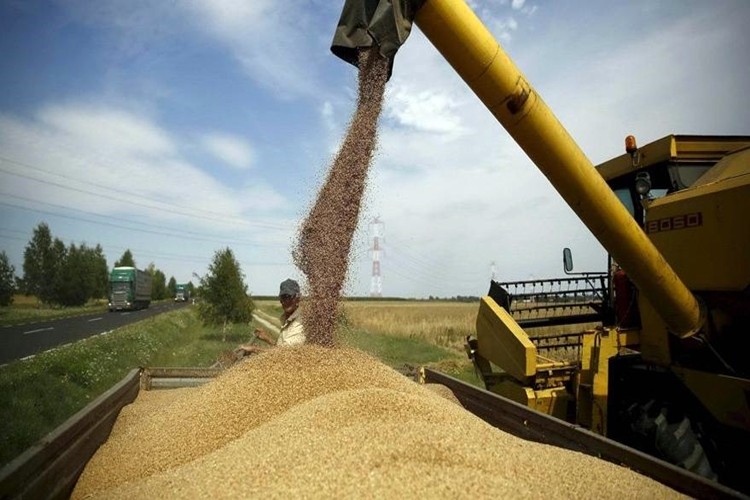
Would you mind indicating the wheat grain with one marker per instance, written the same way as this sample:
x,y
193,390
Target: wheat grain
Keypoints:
x,y
317,422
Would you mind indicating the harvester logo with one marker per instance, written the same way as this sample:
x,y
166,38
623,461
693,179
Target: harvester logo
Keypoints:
x,y
673,223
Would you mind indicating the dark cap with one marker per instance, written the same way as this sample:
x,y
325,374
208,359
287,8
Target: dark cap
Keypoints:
x,y
289,287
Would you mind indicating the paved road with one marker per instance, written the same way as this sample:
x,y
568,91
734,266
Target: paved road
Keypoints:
x,y
32,338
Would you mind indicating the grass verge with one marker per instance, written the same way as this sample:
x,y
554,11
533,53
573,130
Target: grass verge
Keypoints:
x,y
25,309
38,394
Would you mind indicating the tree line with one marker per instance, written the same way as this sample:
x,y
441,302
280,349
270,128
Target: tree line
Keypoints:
x,y
69,275
72,275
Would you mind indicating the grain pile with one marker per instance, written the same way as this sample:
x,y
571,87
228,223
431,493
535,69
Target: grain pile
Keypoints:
x,y
315,422
325,237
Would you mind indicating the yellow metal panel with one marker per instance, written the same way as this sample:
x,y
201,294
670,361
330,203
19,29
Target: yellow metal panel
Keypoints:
x,y
654,335
598,346
470,48
711,221
553,401
688,148
725,397
503,342
467,44
515,392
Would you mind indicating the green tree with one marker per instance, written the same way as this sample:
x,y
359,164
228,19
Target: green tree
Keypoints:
x,y
99,272
192,289
159,286
37,262
74,286
172,287
56,270
224,296
43,259
7,280
82,276
126,260
158,282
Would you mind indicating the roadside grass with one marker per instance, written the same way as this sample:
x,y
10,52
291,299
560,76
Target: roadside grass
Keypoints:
x,y
270,307
40,393
26,309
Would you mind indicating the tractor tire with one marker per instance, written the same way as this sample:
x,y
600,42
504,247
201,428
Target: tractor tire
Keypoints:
x,y
670,435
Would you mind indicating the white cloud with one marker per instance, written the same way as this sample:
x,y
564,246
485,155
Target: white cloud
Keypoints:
x,y
232,150
425,110
280,52
502,27
327,109
115,162
276,53
118,132
328,116
518,4
234,15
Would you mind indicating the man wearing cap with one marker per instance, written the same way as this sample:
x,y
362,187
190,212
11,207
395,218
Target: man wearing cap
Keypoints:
x,y
292,332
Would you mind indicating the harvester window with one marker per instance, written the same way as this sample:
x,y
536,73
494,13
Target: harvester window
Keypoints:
x,y
626,198
685,175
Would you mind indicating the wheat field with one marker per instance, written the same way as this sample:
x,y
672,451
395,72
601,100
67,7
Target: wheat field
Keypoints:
x,y
445,324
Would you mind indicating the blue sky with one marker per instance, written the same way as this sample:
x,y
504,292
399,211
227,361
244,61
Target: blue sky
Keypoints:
x,y
177,128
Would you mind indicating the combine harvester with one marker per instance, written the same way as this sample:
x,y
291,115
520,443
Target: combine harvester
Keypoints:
x,y
673,365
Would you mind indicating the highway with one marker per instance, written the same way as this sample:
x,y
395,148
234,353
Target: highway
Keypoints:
x,y
20,341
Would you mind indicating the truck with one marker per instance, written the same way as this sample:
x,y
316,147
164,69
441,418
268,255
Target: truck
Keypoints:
x,y
129,289
659,362
182,293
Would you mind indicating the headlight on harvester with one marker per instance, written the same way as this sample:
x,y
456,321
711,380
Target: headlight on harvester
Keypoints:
x,y
642,183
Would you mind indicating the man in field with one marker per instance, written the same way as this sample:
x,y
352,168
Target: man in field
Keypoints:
x,y
292,332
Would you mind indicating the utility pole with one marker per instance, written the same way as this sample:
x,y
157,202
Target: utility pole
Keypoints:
x,y
377,227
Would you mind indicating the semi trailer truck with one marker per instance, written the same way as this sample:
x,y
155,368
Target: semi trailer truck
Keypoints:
x,y
129,289
182,293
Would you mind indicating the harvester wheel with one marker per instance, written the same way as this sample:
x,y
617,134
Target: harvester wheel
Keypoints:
x,y
671,436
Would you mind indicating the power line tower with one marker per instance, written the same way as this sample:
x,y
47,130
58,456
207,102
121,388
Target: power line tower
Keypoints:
x,y
377,228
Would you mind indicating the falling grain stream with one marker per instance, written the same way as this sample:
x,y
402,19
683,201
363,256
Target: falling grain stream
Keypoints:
x,y
325,236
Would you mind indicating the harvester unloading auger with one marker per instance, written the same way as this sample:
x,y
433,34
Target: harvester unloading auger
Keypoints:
x,y
660,383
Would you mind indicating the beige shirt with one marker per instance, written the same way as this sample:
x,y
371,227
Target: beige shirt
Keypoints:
x,y
292,332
